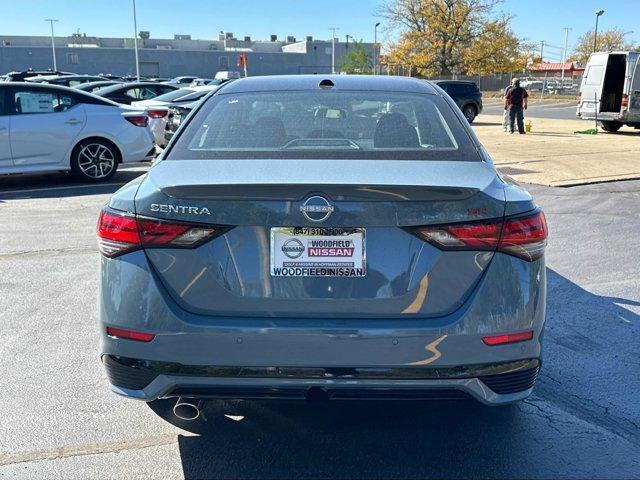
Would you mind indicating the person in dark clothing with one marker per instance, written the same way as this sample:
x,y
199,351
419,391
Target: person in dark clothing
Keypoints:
x,y
516,102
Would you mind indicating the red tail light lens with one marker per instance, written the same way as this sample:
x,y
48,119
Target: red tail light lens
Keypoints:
x,y
155,233
117,233
470,236
138,120
508,338
120,232
157,113
130,334
625,100
524,237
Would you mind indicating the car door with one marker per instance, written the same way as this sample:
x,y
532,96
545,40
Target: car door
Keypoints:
x,y
44,125
5,125
456,91
592,82
634,81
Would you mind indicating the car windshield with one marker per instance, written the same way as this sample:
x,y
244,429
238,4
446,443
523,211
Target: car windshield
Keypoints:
x,y
173,95
349,124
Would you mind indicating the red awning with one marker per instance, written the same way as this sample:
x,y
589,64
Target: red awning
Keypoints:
x,y
555,67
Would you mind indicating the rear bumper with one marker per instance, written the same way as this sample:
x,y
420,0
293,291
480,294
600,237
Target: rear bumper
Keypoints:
x,y
420,354
492,384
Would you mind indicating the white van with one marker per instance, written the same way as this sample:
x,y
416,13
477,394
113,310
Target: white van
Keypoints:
x,y
610,90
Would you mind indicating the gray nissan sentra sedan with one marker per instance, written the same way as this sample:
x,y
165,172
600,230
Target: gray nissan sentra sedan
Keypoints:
x,y
322,237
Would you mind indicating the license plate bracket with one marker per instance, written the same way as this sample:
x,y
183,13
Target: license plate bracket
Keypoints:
x,y
317,252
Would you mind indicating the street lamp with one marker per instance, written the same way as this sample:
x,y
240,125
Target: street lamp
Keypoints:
x,y
53,43
135,40
595,36
333,48
375,47
349,37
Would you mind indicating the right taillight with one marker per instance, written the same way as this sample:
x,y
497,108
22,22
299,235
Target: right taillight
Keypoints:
x,y
523,236
121,232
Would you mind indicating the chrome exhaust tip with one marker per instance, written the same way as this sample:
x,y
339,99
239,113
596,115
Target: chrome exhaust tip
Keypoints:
x,y
187,409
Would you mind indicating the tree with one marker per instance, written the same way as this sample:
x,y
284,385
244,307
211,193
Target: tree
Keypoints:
x,y
443,37
357,60
613,39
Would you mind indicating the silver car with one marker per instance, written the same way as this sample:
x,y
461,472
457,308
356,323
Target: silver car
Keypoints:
x,y
338,237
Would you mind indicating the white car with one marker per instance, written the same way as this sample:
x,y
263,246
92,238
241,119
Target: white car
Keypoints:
x,y
51,128
158,108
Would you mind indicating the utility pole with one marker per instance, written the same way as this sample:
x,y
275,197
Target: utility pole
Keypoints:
x,y
542,51
333,48
564,52
53,43
135,40
375,47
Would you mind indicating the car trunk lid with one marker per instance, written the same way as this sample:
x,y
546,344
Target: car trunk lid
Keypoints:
x,y
376,201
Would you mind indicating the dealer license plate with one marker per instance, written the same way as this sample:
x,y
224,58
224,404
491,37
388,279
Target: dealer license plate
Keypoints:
x,y
317,252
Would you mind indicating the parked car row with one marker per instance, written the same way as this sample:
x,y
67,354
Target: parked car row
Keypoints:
x,y
159,108
568,86
62,123
46,127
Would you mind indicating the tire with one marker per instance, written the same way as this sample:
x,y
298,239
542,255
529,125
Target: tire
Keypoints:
x,y
95,160
608,126
470,112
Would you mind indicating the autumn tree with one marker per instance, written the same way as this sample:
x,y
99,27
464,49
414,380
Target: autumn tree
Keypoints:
x,y
443,37
357,60
613,39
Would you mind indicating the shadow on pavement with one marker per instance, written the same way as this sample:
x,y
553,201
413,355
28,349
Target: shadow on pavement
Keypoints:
x,y
484,124
561,431
61,184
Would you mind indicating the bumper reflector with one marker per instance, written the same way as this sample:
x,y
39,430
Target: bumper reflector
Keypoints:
x,y
508,338
130,334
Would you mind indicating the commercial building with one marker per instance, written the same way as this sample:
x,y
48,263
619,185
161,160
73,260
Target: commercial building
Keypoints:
x,y
181,55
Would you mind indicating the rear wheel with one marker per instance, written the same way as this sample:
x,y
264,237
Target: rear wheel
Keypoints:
x,y
608,126
470,112
94,160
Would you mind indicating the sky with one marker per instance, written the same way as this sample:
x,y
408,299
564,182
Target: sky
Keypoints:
x,y
533,20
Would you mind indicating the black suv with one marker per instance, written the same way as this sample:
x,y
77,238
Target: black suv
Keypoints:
x,y
466,94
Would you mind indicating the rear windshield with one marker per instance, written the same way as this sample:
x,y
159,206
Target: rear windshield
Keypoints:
x,y
325,124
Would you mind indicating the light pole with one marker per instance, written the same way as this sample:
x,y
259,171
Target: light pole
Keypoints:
x,y
564,51
375,47
595,34
53,43
135,40
333,48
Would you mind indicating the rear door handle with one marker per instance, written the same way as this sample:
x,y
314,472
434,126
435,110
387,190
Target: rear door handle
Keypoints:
x,y
73,121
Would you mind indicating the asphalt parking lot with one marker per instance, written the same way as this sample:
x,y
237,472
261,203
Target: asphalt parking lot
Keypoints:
x,y
550,108
60,420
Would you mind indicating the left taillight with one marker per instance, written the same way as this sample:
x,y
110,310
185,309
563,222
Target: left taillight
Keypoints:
x,y
121,232
157,113
523,236
117,233
138,120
